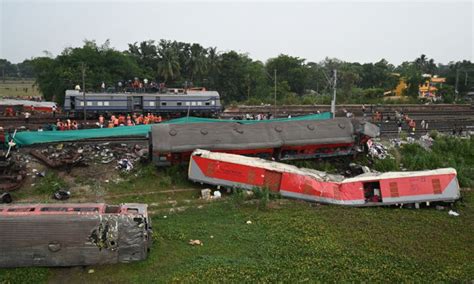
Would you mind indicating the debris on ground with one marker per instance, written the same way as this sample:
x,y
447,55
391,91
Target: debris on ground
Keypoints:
x,y
249,222
216,195
5,198
377,150
453,213
12,173
62,194
426,142
69,155
125,165
195,243
62,159
206,194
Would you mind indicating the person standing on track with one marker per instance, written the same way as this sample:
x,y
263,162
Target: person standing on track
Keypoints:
x,y
27,117
54,109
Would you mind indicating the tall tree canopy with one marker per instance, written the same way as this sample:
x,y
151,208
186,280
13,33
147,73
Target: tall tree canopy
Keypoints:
x,y
236,76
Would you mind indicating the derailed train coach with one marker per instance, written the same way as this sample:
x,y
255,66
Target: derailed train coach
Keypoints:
x,y
285,140
368,189
73,234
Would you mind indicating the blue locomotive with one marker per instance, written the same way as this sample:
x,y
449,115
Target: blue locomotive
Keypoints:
x,y
172,102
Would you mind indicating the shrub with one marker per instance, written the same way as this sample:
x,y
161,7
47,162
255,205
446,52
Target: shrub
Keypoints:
x,y
50,184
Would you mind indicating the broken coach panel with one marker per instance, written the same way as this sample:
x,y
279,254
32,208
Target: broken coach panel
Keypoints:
x,y
369,189
73,234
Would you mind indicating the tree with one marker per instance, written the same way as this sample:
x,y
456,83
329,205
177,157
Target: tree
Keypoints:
x,y
412,74
290,69
104,64
168,65
197,62
426,66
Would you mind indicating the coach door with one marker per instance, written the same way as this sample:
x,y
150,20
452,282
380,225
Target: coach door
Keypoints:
x,y
272,180
137,103
72,101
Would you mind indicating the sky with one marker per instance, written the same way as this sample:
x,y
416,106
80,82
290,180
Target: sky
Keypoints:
x,y
350,30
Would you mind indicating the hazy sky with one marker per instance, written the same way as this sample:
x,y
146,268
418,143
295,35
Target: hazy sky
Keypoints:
x,y
349,30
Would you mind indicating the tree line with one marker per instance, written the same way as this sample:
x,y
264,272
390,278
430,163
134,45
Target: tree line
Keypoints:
x,y
236,76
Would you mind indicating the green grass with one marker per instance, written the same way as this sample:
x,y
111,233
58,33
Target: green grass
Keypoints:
x,y
295,242
18,88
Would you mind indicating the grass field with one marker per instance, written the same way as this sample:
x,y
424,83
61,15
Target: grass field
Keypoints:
x,y
293,242
287,241
20,88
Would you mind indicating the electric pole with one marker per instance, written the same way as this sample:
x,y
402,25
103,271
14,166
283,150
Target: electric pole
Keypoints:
x,y
275,94
83,67
333,102
456,85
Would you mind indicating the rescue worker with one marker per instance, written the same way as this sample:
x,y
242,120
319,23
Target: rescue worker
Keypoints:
x,y
53,110
116,122
412,125
129,121
27,117
101,121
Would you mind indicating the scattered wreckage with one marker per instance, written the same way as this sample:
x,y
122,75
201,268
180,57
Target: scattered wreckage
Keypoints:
x,y
284,140
67,156
12,173
73,234
368,189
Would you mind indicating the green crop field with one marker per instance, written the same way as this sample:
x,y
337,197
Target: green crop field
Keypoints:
x,y
18,88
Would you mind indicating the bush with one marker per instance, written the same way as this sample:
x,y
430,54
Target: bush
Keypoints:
x,y
50,184
434,134
386,165
445,152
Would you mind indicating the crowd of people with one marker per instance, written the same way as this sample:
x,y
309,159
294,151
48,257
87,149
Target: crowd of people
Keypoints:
x,y
128,120
404,119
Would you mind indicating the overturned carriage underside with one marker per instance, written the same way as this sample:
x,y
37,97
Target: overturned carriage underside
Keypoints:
x,y
71,240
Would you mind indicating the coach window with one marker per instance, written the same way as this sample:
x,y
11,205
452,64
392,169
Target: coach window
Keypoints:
x,y
199,103
81,104
188,103
100,103
179,103
152,104
193,103
163,104
89,103
208,103
372,191
106,103
213,102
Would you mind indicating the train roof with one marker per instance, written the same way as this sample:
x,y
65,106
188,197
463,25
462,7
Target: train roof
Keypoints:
x,y
191,93
71,208
14,102
322,176
224,136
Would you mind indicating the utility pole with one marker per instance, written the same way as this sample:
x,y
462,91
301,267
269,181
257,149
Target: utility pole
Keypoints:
x,y
333,102
456,85
275,94
83,67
